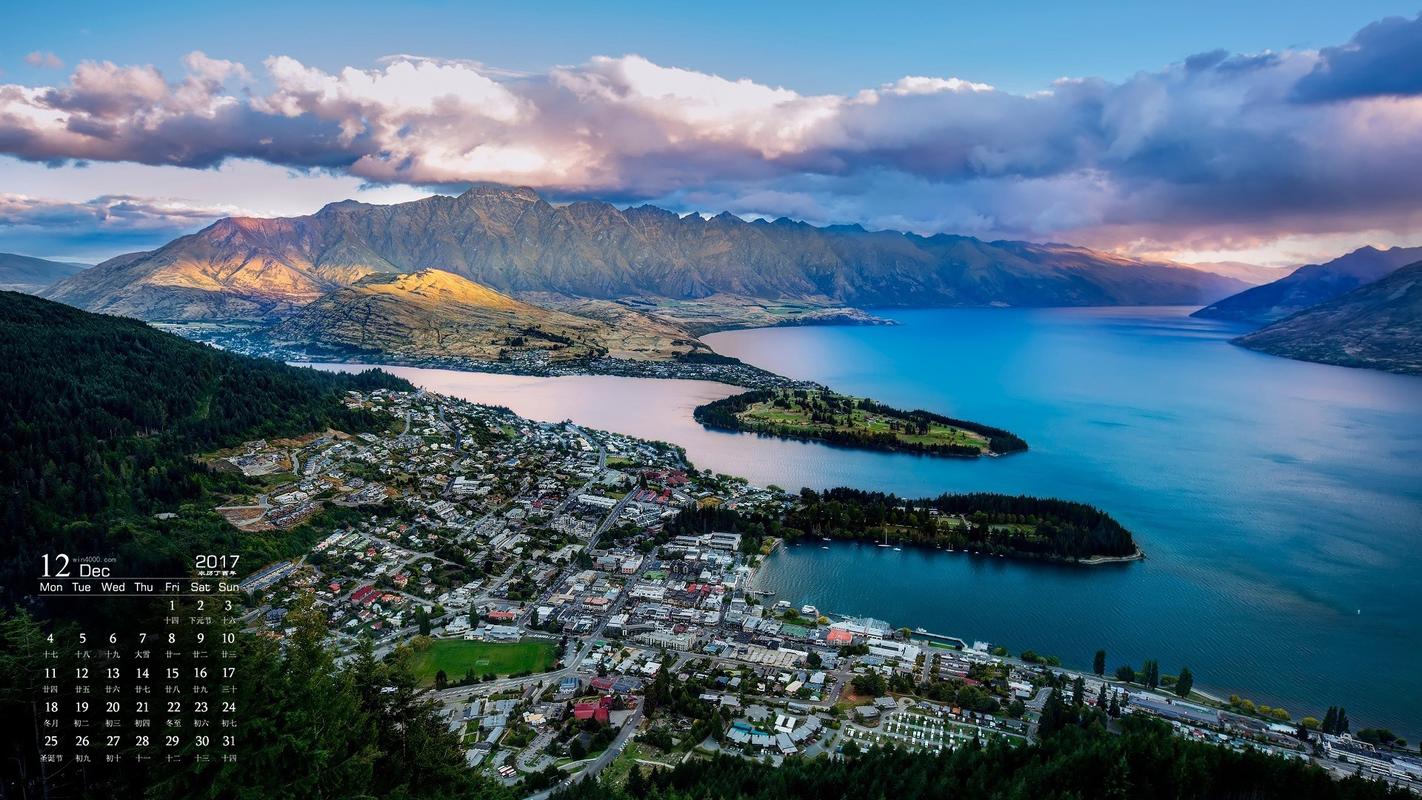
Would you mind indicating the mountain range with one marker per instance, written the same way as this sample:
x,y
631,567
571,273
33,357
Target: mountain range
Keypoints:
x,y
497,274
31,275
514,242
1377,325
1308,286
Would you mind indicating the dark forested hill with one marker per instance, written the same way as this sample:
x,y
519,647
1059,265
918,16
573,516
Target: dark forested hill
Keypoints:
x,y
982,522
1378,326
1146,762
513,241
99,417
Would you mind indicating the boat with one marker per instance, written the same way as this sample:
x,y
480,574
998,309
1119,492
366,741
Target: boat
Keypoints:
x,y
824,538
824,547
886,539
898,548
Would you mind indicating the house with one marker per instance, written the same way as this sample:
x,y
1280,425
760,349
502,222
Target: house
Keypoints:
x,y
598,711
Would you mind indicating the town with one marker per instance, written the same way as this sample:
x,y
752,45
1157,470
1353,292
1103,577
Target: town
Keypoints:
x,y
582,603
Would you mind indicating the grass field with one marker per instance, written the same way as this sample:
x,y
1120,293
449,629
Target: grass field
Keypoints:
x,y
458,656
798,417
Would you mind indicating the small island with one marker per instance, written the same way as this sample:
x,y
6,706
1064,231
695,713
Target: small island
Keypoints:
x,y
986,523
826,416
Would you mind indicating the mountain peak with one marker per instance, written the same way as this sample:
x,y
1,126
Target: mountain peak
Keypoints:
x,y
499,190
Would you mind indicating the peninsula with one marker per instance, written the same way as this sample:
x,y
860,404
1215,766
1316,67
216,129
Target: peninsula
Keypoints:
x,y
980,522
826,416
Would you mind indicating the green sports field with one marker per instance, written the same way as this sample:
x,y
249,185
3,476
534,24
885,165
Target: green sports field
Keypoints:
x,y
458,656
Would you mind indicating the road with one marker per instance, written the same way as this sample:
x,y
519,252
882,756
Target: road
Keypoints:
x,y
592,768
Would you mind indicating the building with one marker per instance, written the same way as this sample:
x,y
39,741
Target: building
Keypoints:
x,y
890,649
596,501
683,642
600,711
1175,710
720,540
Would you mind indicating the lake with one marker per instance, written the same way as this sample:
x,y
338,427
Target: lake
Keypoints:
x,y
1279,502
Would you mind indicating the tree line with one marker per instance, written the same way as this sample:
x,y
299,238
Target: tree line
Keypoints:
x,y
1021,525
1146,761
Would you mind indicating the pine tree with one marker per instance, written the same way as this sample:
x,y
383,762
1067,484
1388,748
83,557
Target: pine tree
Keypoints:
x,y
1054,715
636,785
1184,682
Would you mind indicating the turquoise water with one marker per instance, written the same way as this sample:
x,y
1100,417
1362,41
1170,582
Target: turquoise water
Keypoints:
x,y
1280,503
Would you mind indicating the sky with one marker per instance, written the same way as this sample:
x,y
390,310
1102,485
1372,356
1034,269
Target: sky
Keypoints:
x,y
1269,132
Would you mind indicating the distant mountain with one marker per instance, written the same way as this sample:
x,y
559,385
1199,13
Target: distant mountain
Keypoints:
x,y
28,274
437,314
1252,274
1308,286
1377,326
512,241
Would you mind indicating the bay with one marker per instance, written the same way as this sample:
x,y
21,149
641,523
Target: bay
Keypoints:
x,y
1279,502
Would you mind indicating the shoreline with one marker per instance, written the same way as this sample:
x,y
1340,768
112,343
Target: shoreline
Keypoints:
x,y
1094,561
1091,561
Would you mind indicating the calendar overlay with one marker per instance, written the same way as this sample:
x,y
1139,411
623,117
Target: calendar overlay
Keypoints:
x,y
160,690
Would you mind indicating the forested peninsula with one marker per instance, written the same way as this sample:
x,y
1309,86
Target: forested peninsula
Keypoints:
x,y
980,522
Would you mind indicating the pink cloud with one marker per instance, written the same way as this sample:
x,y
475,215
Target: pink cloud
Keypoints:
x,y
1216,148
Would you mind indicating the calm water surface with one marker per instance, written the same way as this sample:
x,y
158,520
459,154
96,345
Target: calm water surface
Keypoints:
x,y
1280,503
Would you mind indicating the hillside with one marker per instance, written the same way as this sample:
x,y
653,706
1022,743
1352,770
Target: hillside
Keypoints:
x,y
513,241
436,314
1308,286
1144,762
1377,326
28,274
100,417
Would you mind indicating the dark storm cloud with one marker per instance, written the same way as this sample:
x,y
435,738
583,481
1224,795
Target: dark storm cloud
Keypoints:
x,y
1385,58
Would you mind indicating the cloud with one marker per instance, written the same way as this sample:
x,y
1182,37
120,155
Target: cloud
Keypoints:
x,y
1215,150
98,227
46,60
1382,59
